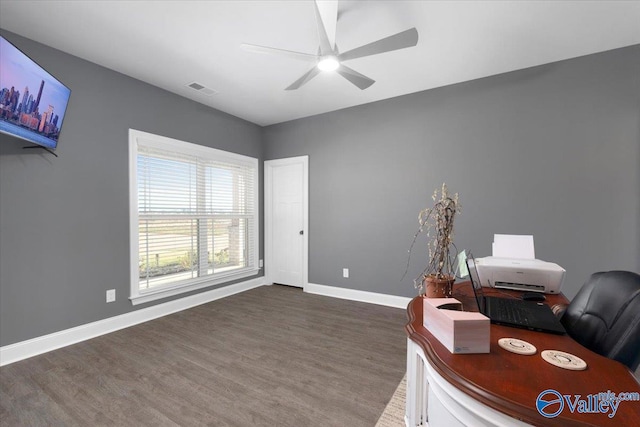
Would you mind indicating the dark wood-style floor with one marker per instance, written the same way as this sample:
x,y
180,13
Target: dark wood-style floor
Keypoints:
x,y
272,356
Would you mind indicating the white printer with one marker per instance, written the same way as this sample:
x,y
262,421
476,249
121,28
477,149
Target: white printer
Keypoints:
x,y
532,275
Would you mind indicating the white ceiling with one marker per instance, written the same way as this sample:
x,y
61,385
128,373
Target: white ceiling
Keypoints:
x,y
170,44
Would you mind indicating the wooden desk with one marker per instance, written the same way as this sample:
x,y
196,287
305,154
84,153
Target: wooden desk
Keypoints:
x,y
501,388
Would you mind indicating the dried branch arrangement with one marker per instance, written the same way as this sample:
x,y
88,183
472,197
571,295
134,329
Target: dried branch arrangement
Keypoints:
x,y
437,223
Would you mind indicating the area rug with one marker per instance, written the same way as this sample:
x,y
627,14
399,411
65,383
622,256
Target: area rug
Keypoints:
x,y
393,415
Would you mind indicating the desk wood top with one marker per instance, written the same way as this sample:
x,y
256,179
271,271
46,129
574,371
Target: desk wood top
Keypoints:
x,y
511,383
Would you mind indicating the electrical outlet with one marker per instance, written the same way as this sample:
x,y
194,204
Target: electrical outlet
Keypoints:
x,y
345,273
111,295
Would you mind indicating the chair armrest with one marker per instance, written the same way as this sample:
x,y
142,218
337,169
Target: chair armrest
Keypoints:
x,y
559,309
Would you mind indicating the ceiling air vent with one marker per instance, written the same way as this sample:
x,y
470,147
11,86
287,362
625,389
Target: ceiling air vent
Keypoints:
x,y
201,89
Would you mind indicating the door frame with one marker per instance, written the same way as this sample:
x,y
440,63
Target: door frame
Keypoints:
x,y
269,165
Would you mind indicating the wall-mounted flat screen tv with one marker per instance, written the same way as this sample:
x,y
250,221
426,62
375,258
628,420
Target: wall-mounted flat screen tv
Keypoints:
x,y
32,101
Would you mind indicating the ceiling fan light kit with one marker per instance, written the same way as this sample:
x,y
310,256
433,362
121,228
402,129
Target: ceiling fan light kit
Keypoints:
x,y
328,58
328,63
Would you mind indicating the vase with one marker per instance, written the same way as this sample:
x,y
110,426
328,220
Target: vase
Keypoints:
x,y
438,288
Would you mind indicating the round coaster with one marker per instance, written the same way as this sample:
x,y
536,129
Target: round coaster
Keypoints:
x,y
517,346
564,360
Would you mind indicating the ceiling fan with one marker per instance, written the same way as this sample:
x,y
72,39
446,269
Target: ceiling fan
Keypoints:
x,y
328,58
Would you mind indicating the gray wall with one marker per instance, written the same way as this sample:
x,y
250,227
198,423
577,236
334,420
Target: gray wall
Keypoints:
x,y
64,222
552,151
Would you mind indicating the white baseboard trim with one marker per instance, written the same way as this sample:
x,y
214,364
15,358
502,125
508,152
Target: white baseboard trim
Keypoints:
x,y
25,349
355,295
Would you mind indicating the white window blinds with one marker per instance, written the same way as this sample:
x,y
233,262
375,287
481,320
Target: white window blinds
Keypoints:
x,y
197,216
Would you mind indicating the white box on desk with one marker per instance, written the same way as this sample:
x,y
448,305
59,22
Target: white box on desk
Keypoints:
x,y
461,332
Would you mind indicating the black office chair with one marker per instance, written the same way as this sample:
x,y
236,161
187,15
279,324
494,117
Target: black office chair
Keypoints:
x,y
605,316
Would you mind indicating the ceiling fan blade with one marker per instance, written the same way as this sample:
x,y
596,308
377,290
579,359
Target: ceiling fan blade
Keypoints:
x,y
304,79
401,40
282,52
327,14
355,77
326,46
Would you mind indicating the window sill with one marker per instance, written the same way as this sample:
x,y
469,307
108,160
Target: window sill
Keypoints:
x,y
168,291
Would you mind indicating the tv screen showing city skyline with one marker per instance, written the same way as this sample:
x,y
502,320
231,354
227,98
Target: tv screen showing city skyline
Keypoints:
x,y
32,102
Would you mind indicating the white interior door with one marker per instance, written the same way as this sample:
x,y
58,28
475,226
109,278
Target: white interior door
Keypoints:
x,y
286,220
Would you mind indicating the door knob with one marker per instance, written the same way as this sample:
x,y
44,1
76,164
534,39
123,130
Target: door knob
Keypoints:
x,y
301,232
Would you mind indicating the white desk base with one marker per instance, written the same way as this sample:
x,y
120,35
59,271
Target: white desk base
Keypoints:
x,y
433,402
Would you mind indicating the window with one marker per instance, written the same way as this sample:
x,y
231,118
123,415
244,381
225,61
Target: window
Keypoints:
x,y
194,216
